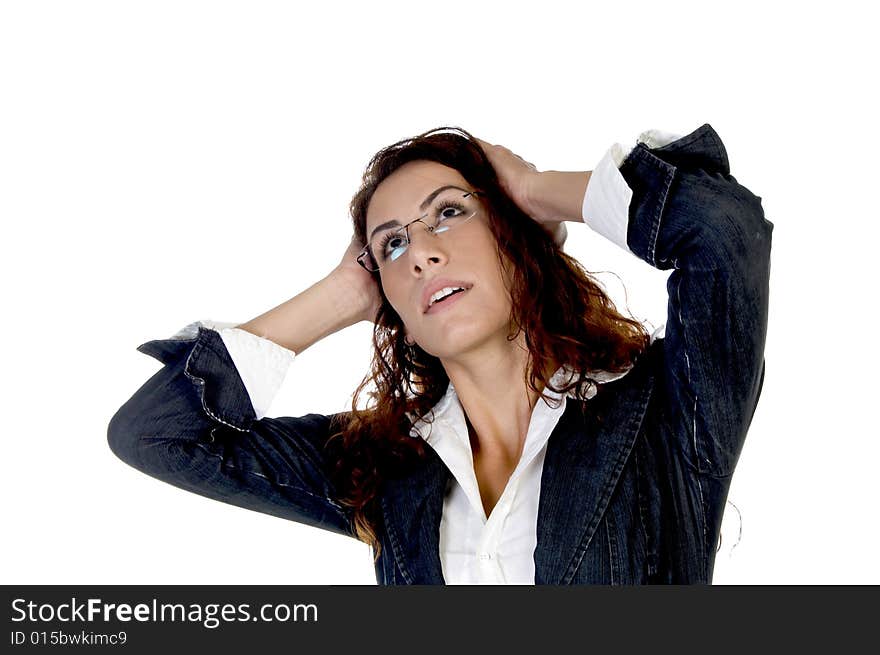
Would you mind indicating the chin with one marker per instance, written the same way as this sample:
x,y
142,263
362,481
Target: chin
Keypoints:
x,y
457,342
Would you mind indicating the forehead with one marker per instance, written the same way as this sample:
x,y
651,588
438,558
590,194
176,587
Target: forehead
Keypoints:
x,y
400,194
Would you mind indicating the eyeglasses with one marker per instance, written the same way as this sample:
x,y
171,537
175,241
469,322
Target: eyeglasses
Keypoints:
x,y
448,210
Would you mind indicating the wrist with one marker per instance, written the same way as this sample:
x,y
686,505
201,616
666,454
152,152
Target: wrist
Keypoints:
x,y
556,196
344,290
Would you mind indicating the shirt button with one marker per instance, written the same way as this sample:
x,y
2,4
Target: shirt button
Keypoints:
x,y
485,556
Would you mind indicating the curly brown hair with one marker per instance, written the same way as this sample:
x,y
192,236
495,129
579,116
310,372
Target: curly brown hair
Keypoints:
x,y
563,312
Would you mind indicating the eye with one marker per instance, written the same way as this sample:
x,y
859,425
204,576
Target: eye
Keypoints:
x,y
448,209
391,242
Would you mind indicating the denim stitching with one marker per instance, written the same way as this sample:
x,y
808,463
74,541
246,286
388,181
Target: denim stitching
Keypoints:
x,y
200,382
611,559
655,220
395,545
696,398
582,547
223,459
280,484
602,507
642,516
670,170
661,206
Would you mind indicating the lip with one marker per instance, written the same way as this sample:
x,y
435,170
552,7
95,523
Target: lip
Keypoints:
x,y
446,304
435,285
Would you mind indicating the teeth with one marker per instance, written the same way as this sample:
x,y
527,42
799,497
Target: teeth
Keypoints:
x,y
442,294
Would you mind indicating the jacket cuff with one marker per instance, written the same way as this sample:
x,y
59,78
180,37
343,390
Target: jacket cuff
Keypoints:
x,y
179,343
655,178
606,204
209,366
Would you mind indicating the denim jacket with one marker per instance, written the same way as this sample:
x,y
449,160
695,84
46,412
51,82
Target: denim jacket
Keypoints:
x,y
649,458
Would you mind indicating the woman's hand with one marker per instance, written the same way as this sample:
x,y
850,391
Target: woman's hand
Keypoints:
x,y
514,173
365,291
519,179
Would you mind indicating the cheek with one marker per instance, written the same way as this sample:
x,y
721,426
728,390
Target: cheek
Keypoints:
x,y
396,299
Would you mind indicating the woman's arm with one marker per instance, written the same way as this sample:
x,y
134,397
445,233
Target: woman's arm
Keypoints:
x,y
195,425
324,308
676,206
689,214
557,196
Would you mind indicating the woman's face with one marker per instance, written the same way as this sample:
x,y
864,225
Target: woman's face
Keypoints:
x,y
466,253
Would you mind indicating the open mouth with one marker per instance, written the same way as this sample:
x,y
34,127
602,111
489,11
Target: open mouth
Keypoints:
x,y
446,302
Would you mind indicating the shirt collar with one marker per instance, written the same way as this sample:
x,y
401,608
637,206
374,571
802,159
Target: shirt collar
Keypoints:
x,y
449,405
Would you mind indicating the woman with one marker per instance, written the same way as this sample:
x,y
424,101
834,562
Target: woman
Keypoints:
x,y
521,429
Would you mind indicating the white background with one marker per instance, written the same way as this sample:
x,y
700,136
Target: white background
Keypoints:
x,y
163,162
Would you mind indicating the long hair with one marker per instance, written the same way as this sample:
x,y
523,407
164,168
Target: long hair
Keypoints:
x,y
563,312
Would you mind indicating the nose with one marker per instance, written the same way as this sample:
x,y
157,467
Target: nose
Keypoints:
x,y
423,248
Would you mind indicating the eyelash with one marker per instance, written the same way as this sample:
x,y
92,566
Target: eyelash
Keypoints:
x,y
446,205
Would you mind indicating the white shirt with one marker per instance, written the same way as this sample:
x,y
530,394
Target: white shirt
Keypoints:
x,y
474,548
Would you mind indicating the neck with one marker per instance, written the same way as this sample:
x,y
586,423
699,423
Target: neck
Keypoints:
x,y
494,394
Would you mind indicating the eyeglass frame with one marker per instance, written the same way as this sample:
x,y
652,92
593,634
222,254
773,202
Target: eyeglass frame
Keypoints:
x,y
405,228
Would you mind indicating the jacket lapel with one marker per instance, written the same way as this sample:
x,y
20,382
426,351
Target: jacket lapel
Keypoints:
x,y
412,508
586,454
587,451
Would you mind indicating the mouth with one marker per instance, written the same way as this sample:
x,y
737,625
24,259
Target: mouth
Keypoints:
x,y
445,303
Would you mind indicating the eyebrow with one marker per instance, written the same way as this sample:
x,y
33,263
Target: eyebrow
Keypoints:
x,y
427,201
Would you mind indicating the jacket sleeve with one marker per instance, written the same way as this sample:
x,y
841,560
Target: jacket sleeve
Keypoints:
x,y
687,213
193,425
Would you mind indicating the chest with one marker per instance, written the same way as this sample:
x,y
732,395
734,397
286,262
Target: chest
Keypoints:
x,y
493,475
492,468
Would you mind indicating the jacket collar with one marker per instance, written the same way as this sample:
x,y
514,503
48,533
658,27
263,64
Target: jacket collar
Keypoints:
x,y
586,451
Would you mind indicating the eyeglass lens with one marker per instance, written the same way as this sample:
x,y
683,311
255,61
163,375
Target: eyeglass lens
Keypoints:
x,y
448,210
